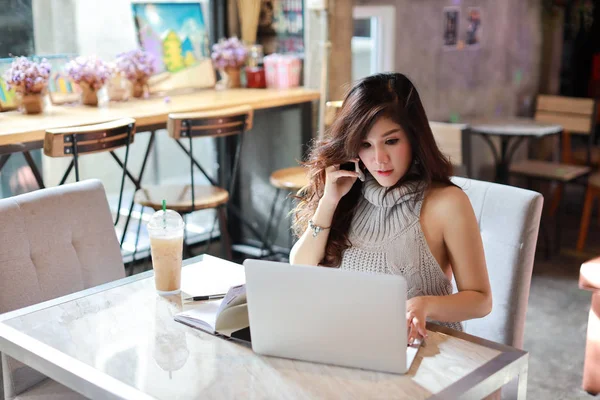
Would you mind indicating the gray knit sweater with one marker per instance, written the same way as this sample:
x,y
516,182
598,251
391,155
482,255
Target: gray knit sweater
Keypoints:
x,y
387,238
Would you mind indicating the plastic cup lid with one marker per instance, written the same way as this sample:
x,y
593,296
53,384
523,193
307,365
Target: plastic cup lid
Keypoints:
x,y
166,221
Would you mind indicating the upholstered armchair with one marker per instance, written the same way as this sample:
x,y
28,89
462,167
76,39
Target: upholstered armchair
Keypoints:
x,y
53,242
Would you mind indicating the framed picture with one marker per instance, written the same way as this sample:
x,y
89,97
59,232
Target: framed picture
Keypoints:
x,y
61,88
8,98
451,20
474,28
177,35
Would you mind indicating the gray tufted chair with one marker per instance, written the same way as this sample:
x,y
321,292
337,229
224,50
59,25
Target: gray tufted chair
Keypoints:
x,y
53,242
509,220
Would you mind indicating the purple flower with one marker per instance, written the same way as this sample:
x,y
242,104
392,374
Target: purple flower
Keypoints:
x,y
229,53
26,76
136,65
89,70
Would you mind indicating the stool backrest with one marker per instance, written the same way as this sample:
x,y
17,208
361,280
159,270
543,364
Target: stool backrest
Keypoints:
x,y
214,123
89,138
331,110
449,138
576,115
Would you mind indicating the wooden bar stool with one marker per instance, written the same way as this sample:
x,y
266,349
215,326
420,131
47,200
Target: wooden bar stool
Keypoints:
x,y
188,198
80,140
577,118
291,180
589,279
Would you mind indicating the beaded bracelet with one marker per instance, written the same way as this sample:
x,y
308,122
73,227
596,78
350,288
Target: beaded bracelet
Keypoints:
x,y
316,229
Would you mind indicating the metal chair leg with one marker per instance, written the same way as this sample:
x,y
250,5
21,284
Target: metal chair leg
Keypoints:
x,y
225,239
279,217
76,158
212,231
291,236
137,232
265,244
187,252
126,221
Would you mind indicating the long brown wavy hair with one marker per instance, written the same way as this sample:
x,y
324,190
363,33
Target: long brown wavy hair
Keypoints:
x,y
390,95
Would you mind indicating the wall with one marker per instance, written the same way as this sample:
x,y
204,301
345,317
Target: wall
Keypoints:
x,y
498,79
16,28
469,82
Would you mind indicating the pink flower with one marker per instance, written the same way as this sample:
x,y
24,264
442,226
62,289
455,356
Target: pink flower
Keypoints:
x,y
137,65
26,76
229,53
89,70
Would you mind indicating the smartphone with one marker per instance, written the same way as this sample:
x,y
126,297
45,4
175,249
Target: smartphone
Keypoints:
x,y
352,166
349,166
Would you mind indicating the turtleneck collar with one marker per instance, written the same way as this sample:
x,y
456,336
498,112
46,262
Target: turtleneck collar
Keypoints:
x,y
376,194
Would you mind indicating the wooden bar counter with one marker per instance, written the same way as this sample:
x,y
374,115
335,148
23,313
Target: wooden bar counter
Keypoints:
x,y
283,127
16,127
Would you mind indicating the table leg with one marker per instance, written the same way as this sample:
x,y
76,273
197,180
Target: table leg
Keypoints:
x,y
138,185
306,110
30,162
34,169
503,159
502,166
500,169
522,388
3,160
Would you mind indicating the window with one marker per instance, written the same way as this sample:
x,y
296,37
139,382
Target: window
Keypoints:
x,y
373,40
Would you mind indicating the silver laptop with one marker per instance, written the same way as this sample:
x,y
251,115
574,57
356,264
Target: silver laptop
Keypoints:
x,y
326,315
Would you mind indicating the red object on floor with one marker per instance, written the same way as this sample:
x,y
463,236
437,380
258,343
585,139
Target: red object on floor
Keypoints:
x,y
589,279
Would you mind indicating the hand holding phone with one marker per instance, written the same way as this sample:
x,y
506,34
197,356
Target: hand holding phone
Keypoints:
x,y
353,166
339,179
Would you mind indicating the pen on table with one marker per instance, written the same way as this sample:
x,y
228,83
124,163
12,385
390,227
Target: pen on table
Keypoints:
x,y
209,297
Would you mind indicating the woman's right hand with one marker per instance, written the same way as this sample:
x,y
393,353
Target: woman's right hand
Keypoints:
x,y
338,183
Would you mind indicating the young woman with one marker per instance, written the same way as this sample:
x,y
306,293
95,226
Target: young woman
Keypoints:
x,y
406,217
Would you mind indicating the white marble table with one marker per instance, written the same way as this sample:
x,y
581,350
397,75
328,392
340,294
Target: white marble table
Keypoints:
x,y
119,341
510,129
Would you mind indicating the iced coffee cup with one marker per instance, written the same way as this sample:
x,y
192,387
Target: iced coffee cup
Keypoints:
x,y
165,229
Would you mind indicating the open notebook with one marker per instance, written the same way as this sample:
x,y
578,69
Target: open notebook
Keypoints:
x,y
227,316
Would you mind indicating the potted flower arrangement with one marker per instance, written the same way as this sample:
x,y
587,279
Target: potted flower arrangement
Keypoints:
x,y
90,73
228,57
117,87
29,79
137,66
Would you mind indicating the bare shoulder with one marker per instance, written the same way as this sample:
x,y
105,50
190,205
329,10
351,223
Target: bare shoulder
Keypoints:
x,y
446,201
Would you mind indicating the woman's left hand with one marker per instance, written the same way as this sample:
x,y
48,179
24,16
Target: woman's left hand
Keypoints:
x,y
416,315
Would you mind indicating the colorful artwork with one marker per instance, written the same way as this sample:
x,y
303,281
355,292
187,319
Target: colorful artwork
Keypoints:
x,y
451,18
474,29
61,87
8,98
175,33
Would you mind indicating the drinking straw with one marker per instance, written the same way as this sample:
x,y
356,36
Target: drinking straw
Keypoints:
x,y
164,204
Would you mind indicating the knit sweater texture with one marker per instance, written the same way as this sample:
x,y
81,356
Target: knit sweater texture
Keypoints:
x,y
386,238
